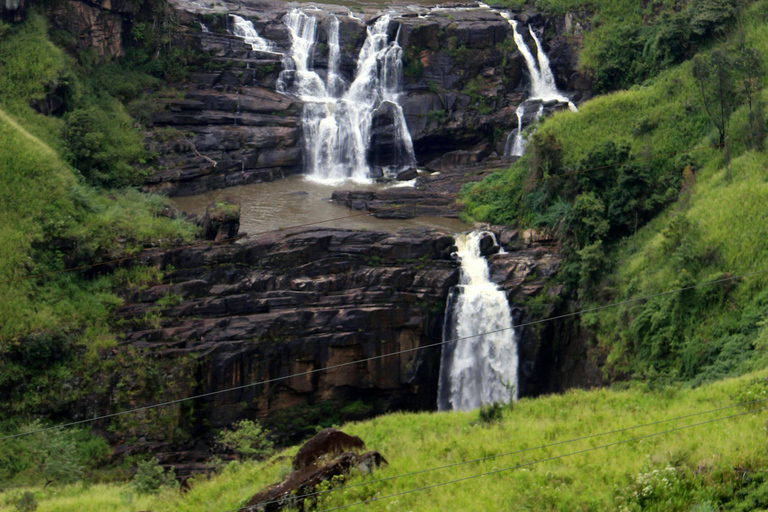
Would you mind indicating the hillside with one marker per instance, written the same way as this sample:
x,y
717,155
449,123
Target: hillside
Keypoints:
x,y
645,201
659,182
716,466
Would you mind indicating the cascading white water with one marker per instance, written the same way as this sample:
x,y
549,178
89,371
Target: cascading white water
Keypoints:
x,y
244,28
336,123
543,85
476,370
515,145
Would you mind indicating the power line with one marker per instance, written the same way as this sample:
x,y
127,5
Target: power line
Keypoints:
x,y
383,356
362,214
548,459
515,452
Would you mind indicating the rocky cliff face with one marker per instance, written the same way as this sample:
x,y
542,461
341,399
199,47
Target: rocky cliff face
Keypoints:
x,y
290,303
463,75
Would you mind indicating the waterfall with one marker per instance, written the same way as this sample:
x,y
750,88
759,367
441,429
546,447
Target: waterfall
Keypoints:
x,y
476,370
244,28
543,85
337,118
515,145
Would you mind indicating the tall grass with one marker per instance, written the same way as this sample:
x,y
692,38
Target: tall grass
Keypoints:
x,y
703,458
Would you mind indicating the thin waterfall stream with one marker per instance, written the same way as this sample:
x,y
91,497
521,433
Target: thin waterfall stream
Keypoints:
x,y
475,368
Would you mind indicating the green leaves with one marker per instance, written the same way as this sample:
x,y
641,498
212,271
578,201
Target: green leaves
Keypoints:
x,y
246,439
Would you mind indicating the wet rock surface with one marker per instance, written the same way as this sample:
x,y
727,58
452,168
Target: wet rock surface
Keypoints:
x,y
464,78
295,303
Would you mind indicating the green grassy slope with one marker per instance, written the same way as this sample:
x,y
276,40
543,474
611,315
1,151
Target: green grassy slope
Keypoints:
x,y
676,471
706,226
54,329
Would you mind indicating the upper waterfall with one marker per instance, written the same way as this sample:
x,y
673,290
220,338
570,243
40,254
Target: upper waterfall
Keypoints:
x,y
543,85
337,117
479,360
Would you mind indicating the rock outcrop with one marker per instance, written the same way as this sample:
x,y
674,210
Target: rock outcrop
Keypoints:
x,y
553,355
325,467
327,442
464,78
291,303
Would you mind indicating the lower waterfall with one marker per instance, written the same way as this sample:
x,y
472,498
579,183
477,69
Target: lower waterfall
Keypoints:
x,y
476,369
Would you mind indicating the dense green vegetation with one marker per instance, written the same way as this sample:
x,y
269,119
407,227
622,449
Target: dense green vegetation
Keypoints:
x,y
720,466
59,211
630,42
636,211
639,213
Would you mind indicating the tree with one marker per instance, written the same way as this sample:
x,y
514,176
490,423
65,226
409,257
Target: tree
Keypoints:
x,y
716,86
54,452
749,66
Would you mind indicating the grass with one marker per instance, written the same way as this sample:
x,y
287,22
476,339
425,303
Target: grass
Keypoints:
x,y
54,329
714,229
703,458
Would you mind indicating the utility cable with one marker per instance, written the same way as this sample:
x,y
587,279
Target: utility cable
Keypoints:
x,y
531,463
383,356
515,452
361,214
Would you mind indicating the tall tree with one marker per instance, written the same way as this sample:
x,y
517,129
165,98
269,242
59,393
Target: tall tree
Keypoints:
x,y
714,77
750,68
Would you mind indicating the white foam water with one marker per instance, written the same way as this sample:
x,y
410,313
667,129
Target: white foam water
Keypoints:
x,y
244,28
477,369
337,117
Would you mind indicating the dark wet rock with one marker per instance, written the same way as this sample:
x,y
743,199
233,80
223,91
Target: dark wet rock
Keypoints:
x,y
407,175
290,492
488,245
221,221
327,443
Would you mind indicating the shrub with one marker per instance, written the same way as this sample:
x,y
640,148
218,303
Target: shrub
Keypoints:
x,y
150,477
27,502
246,439
491,413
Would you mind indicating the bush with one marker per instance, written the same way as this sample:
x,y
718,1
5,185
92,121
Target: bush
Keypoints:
x,y
27,502
104,147
491,413
246,440
150,477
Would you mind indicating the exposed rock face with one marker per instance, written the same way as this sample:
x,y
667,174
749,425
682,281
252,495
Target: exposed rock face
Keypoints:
x,y
463,75
552,355
327,442
92,25
290,492
296,303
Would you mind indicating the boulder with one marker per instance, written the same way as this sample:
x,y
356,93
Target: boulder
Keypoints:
x,y
290,492
407,175
221,221
488,245
327,442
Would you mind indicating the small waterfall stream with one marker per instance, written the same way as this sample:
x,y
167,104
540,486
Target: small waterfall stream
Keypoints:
x,y
244,28
337,117
476,370
543,86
